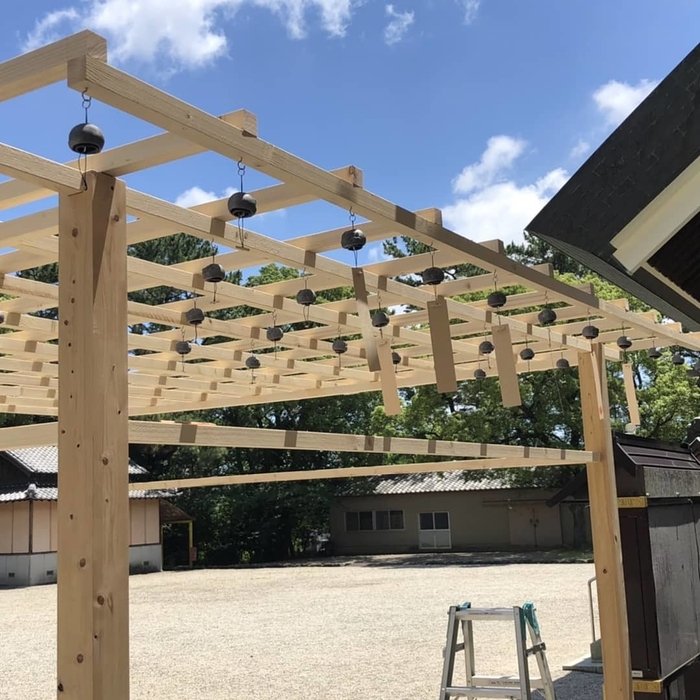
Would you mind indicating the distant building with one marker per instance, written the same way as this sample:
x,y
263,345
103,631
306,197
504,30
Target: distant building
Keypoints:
x,y
28,518
449,511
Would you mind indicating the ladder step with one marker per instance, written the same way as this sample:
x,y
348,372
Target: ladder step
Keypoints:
x,y
484,692
504,681
485,614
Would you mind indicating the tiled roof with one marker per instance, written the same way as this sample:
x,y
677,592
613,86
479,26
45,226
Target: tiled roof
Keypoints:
x,y
47,493
44,460
426,483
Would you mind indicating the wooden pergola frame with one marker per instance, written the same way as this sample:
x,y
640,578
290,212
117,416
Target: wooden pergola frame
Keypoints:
x,y
107,372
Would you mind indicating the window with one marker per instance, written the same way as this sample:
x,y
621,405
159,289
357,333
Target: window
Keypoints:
x,y
361,520
389,519
434,530
442,521
435,521
364,520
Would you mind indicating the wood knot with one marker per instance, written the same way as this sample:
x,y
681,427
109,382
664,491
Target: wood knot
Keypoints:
x,y
74,233
82,563
100,600
80,658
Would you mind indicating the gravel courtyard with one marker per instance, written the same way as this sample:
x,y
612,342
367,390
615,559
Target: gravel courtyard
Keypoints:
x,y
307,633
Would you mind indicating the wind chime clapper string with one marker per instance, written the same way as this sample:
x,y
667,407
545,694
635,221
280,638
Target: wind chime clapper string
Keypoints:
x,y
85,139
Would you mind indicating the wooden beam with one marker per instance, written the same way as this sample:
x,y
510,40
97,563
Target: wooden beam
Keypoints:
x,y
605,525
505,361
39,171
93,507
48,64
146,102
210,435
631,393
441,340
339,473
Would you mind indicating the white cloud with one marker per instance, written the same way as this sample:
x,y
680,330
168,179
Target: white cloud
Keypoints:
x,y
580,149
375,253
493,207
196,195
500,154
471,9
398,25
615,100
45,29
183,33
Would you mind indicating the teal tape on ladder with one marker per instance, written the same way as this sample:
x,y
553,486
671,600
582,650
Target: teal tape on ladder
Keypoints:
x,y
464,606
529,610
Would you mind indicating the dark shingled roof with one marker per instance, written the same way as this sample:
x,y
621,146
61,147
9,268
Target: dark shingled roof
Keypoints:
x,y
639,160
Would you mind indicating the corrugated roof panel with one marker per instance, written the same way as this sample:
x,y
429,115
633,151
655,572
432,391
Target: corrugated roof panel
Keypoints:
x,y
434,482
47,493
44,460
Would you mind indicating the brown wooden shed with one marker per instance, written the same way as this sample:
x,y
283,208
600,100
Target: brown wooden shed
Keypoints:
x,y
28,518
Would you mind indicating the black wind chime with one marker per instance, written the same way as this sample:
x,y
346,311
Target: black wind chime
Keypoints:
x,y
495,300
353,239
274,334
85,139
241,205
306,297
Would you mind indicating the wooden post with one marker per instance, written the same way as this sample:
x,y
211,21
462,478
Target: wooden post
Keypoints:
x,y
93,504
605,524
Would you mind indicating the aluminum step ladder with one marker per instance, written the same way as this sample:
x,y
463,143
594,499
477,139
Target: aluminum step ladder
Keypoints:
x,y
518,687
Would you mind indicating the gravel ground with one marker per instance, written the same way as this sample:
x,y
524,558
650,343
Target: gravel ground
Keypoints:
x,y
307,633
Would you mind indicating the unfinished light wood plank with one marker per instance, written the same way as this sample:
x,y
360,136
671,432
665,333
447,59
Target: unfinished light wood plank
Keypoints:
x,y
208,434
631,393
93,508
392,403
441,342
368,332
48,64
39,171
505,361
605,526
340,473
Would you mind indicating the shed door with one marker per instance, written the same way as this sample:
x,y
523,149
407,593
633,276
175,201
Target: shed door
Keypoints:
x,y
534,526
434,530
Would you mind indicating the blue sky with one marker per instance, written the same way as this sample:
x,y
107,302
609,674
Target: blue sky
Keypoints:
x,y
480,107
